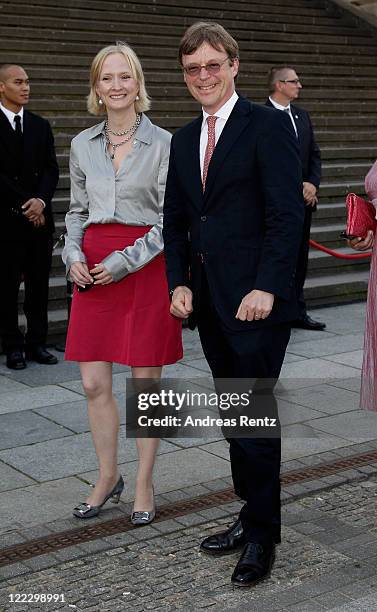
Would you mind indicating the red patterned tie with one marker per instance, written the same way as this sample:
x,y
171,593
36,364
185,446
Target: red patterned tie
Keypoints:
x,y
211,121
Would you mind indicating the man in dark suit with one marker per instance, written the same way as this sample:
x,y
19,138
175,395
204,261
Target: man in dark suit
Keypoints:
x,y
234,187
28,178
284,86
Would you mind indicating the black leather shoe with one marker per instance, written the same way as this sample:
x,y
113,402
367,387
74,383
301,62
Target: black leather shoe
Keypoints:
x,y
307,322
254,565
15,360
225,542
40,355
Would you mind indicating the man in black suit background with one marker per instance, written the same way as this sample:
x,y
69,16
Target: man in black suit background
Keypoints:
x,y
234,187
28,178
284,86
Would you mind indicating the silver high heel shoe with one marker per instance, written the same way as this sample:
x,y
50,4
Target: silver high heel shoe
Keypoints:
x,y
144,517
85,511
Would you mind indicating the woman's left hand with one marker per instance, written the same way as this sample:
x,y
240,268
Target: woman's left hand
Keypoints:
x,y
101,275
360,244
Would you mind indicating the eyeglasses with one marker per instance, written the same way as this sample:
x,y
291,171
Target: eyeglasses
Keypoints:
x,y
295,81
212,68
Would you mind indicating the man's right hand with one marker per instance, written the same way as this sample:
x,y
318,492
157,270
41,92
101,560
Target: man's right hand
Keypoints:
x,y
181,302
79,274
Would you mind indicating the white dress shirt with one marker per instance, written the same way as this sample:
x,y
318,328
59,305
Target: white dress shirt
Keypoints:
x,y
10,115
223,115
287,109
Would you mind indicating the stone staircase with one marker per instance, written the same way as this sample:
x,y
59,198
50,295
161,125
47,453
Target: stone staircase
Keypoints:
x,y
336,58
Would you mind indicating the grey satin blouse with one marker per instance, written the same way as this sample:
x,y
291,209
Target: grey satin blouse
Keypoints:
x,y
134,195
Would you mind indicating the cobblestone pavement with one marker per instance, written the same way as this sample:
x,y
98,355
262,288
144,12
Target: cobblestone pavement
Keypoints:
x,y
327,561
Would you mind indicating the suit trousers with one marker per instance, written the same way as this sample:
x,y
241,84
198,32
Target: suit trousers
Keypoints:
x,y
27,252
257,355
302,262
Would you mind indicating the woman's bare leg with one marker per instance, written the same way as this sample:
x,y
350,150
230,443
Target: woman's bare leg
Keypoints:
x,y
104,424
147,449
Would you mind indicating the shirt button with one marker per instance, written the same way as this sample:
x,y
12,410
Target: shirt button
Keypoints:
x,y
204,218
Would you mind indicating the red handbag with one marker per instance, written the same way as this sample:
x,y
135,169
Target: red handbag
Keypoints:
x,y
361,216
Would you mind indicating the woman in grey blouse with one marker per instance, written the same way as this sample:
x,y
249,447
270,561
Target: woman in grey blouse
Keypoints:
x,y
113,254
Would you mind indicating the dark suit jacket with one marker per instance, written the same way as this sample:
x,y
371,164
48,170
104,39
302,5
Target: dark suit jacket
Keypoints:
x,y
310,153
247,224
34,175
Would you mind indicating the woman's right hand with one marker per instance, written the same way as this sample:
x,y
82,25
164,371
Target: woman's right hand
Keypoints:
x,y
362,244
79,274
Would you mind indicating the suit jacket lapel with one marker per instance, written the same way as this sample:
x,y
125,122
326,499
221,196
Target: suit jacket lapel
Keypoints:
x,y
28,134
192,163
237,122
6,134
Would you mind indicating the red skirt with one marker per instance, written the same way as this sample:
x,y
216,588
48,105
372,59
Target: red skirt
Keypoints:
x,y
127,322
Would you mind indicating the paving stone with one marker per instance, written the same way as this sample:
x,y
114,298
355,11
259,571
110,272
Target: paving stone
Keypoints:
x,y
24,428
16,569
191,519
358,426
11,538
35,398
301,440
171,473
215,513
168,526
55,459
174,496
12,479
330,600
317,368
40,562
323,398
307,606
365,604
9,385
74,415
43,502
69,553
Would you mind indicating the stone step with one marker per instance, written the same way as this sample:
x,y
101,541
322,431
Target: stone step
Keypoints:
x,y
341,189
329,213
160,109
336,288
338,169
320,262
145,34
328,234
368,153
218,10
57,292
40,76
153,65
254,49
334,58
57,326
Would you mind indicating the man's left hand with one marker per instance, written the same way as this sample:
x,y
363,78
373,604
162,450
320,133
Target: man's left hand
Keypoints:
x,y
33,209
40,221
255,305
101,275
309,192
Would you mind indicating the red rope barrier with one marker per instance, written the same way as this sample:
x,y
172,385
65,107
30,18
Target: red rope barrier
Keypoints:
x,y
320,247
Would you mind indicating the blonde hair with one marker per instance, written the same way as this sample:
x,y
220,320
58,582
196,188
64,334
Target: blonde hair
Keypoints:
x,y
143,103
